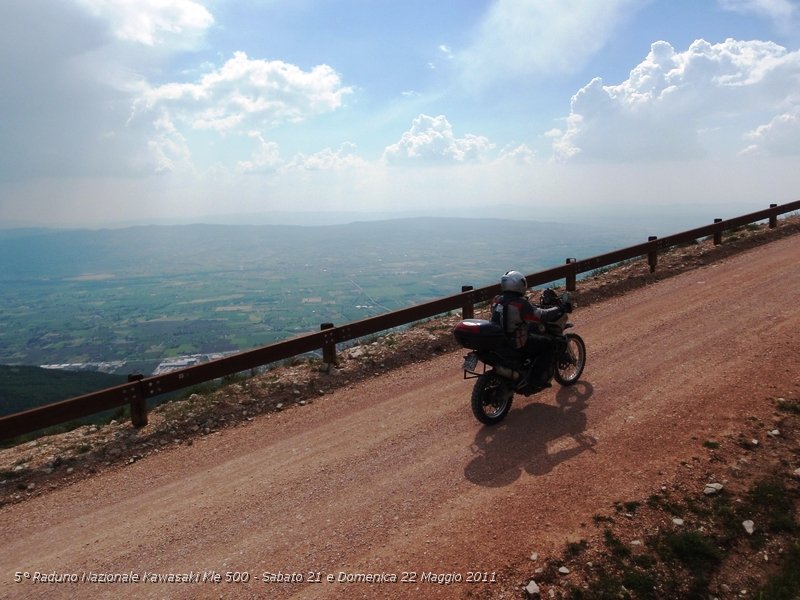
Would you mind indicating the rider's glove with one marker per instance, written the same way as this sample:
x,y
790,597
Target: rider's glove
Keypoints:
x,y
567,307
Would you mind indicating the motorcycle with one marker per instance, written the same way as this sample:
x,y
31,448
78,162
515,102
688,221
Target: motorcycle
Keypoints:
x,y
509,370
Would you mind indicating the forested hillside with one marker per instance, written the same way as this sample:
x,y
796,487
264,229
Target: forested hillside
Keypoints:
x,y
23,387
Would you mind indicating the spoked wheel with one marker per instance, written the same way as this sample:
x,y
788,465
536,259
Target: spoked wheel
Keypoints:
x,y
570,364
491,399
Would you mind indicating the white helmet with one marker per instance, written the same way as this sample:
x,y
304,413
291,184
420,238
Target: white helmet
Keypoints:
x,y
513,281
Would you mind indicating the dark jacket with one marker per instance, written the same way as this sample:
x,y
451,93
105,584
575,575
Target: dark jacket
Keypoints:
x,y
517,315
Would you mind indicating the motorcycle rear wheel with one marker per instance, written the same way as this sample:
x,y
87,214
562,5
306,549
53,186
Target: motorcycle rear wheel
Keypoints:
x,y
491,399
570,364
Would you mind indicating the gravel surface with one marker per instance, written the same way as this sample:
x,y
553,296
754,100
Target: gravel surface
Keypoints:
x,y
392,477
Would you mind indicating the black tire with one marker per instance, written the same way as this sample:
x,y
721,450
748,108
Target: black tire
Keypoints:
x,y
569,366
491,399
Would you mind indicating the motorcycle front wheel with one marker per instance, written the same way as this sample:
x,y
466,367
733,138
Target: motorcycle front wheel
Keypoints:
x,y
491,399
569,365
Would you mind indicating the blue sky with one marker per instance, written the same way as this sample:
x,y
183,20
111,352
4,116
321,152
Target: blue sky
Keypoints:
x,y
139,111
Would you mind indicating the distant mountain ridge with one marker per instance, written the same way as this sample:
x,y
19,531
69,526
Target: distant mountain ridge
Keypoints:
x,y
37,253
141,295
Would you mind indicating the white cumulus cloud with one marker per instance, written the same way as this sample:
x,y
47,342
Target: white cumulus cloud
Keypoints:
x,y
779,137
431,140
153,22
246,94
327,159
543,37
521,155
266,158
168,147
670,97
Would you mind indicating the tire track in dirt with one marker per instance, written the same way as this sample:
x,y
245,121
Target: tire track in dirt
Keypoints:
x,y
394,475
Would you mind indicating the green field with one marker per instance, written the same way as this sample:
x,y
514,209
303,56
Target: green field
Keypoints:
x,y
141,295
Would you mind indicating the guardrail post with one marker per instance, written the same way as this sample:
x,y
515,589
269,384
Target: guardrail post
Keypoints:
x,y
138,405
135,393
329,347
572,275
468,308
652,256
773,218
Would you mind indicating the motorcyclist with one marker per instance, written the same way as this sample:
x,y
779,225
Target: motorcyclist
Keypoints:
x,y
521,321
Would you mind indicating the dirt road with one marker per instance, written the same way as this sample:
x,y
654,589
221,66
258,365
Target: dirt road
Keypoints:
x,y
395,478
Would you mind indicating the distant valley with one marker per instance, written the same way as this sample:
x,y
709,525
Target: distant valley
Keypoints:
x,y
127,300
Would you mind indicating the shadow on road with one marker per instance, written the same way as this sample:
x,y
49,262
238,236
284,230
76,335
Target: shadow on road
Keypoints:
x,y
534,439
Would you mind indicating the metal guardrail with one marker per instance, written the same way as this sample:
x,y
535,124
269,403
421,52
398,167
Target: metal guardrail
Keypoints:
x,y
139,389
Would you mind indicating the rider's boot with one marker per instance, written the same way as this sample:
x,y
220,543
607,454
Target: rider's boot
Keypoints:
x,y
540,374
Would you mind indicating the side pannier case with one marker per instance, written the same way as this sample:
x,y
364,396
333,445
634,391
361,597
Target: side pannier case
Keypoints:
x,y
479,334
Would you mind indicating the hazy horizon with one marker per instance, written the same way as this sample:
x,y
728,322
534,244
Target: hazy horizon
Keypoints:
x,y
152,293
191,110
649,220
